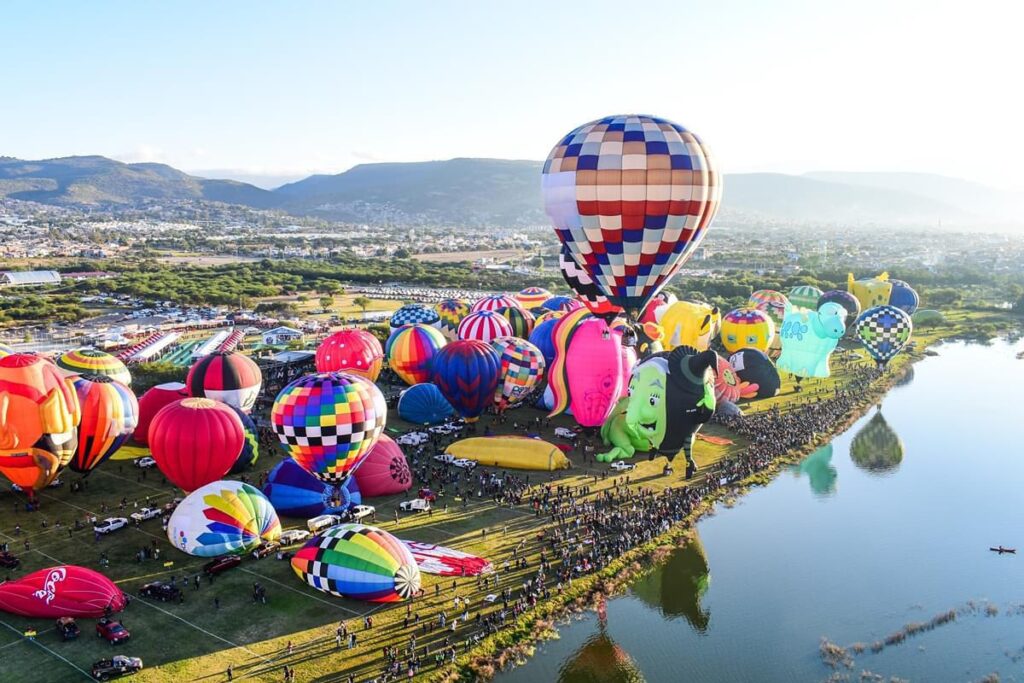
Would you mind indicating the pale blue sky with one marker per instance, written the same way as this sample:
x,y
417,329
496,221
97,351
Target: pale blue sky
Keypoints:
x,y
299,87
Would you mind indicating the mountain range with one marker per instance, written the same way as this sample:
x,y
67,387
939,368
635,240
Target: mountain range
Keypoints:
x,y
507,193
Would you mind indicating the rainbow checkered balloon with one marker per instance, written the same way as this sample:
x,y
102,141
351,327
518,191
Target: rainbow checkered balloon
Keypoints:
x,y
328,422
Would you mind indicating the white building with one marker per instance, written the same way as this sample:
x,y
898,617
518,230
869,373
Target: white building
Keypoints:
x,y
281,335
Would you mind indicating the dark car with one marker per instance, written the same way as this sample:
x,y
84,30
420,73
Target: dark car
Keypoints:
x,y
112,631
158,590
221,564
8,561
116,666
67,628
427,495
266,548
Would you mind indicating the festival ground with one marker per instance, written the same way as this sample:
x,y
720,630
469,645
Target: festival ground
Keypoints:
x,y
197,640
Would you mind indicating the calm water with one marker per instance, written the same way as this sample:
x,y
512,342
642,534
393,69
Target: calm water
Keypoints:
x,y
889,524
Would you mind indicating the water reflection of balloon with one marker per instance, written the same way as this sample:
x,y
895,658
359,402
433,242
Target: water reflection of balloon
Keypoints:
x,y
820,471
676,587
600,660
877,448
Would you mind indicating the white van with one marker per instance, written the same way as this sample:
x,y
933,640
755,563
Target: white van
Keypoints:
x,y
318,524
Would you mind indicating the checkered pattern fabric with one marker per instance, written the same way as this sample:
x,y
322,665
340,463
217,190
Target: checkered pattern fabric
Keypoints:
x,y
631,196
579,281
884,331
522,368
328,422
484,326
414,314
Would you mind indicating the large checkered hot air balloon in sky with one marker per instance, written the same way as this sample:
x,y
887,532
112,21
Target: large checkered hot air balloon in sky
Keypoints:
x,y
631,197
328,422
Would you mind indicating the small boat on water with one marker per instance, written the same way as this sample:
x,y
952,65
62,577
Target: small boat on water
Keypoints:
x,y
1002,550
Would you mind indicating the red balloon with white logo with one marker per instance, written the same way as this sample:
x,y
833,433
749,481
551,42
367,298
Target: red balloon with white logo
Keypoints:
x,y
63,591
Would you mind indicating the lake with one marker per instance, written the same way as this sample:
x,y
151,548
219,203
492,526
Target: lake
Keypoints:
x,y
890,524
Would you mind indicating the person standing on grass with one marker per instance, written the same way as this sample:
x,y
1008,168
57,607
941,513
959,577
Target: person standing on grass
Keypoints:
x,y
230,672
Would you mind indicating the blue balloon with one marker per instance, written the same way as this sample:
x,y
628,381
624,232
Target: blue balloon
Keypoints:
x,y
560,303
543,338
903,297
294,492
424,404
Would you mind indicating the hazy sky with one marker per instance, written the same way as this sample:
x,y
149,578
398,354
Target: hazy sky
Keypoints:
x,y
299,87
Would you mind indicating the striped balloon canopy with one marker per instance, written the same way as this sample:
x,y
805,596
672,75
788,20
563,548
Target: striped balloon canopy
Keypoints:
x,y
110,414
494,302
358,562
484,326
411,349
94,362
532,297
227,376
771,302
223,517
805,296
632,197
519,319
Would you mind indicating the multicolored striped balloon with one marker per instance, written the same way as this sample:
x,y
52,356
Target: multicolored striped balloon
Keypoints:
x,y
632,197
328,422
532,297
223,518
771,302
520,319
411,350
227,376
110,414
805,296
484,326
467,373
521,370
94,362
451,312
358,562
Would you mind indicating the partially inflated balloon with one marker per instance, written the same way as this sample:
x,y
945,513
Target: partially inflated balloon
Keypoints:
x,y
195,441
688,323
757,372
328,422
587,373
38,407
467,373
424,404
805,297
543,338
808,339
62,591
294,492
495,302
747,328
565,304
223,518
94,362
150,404
226,376
411,349
110,414
520,320
250,447
358,562
845,299
522,369
632,197
385,471
351,350
484,326
414,314
451,312
884,331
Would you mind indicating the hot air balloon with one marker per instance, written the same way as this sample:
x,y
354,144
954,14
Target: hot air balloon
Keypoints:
x,y
33,469
451,312
195,441
771,302
884,331
688,323
747,328
110,414
532,297
587,373
520,320
94,362
250,447
414,314
351,350
579,281
521,370
467,373
728,385
484,326
411,349
63,591
881,290
150,404
223,518
543,338
39,408
877,448
5,350
328,422
632,197
294,492
808,339
494,302
904,297
845,299
384,471
226,376
805,297
564,304
757,371
424,404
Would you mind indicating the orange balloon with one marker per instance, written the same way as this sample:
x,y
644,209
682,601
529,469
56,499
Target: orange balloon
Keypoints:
x,y
38,407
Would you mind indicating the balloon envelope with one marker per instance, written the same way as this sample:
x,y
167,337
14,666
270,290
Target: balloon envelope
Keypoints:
x,y
226,376
351,350
223,518
532,297
756,369
411,349
495,302
451,312
521,369
294,492
587,373
250,447
94,362
805,296
62,591
884,331
150,404
38,407
110,414
424,404
384,471
195,441
747,328
414,314
484,326
771,302
467,373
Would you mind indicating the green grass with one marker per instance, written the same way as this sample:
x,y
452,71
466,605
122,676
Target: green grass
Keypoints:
x,y
194,641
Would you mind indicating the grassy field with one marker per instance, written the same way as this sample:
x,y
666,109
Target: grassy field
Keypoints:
x,y
195,641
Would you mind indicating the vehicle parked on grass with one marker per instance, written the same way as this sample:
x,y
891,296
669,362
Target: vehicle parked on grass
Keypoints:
x,y
116,666
321,522
464,463
144,463
358,512
112,630
109,525
9,561
293,536
142,514
446,458
265,549
221,564
67,628
564,433
426,494
623,466
55,484
415,505
159,590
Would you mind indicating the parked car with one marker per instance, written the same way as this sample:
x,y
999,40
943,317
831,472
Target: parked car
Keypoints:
x,y
623,466
464,463
293,536
265,549
146,513
55,484
427,495
358,512
564,433
321,522
67,628
415,505
144,463
170,507
110,524
112,630
446,458
118,665
221,564
158,590
9,561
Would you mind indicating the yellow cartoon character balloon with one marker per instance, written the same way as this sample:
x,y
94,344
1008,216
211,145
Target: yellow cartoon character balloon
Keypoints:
x,y
747,328
688,323
872,292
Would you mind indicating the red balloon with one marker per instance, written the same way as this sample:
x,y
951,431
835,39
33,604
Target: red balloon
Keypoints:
x,y
64,591
196,441
150,404
384,471
351,350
